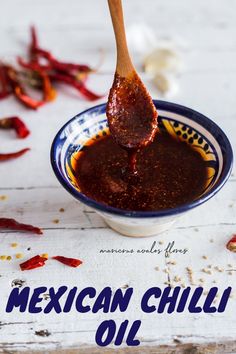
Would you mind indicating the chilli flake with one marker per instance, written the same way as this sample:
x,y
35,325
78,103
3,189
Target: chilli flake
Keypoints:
x,y
11,224
71,262
231,245
34,262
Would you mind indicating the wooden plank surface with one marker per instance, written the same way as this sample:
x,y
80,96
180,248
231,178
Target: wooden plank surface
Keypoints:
x,y
204,34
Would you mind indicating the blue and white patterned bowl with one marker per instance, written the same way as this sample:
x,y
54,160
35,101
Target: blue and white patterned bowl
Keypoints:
x,y
182,123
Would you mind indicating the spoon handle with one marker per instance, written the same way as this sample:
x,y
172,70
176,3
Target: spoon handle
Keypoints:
x,y
124,64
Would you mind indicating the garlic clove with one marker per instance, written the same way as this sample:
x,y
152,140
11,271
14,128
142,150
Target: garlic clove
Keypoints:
x,y
162,59
165,84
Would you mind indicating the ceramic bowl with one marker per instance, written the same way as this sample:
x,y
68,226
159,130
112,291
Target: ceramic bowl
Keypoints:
x,y
182,123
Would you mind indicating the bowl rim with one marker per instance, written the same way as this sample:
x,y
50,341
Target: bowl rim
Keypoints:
x,y
162,105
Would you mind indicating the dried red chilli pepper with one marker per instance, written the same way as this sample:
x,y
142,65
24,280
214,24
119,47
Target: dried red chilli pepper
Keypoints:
x,y
12,224
3,95
39,72
4,83
61,71
19,91
32,263
71,262
72,81
34,41
25,99
231,244
33,65
62,66
13,155
36,52
17,124
89,94
62,77
49,93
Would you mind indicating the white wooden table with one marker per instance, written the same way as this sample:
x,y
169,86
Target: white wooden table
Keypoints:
x,y
205,32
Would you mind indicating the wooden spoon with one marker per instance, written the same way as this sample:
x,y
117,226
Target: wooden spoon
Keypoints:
x,y
132,116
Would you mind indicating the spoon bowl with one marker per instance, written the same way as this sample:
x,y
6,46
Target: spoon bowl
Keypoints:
x,y
132,116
